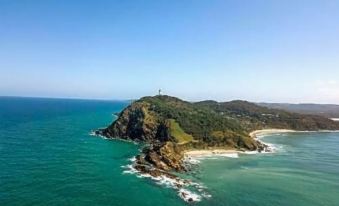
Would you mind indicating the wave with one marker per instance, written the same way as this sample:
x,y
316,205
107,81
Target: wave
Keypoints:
x,y
189,196
271,148
98,134
187,190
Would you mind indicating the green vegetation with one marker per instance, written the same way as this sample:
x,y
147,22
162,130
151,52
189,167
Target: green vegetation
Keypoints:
x,y
195,120
325,110
252,116
178,134
170,125
207,123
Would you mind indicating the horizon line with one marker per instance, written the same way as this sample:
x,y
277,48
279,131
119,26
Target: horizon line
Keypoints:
x,y
102,99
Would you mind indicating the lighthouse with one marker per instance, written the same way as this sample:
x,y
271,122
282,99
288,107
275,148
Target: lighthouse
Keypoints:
x,y
159,92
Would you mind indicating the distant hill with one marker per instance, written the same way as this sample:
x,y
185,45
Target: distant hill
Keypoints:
x,y
326,110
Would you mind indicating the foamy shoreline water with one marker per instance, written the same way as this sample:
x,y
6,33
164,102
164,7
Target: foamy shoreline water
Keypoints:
x,y
263,132
194,192
188,190
212,152
193,156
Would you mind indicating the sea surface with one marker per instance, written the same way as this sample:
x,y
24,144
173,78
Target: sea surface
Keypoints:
x,y
48,157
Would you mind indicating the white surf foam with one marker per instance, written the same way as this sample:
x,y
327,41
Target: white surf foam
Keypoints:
x,y
251,152
181,185
93,133
129,170
195,159
132,159
230,155
189,196
192,161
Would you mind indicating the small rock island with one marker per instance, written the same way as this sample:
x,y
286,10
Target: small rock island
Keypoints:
x,y
169,126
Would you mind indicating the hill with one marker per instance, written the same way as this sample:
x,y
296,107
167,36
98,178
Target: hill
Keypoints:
x,y
170,126
326,110
252,116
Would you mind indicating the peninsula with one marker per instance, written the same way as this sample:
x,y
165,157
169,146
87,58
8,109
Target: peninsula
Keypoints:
x,y
169,127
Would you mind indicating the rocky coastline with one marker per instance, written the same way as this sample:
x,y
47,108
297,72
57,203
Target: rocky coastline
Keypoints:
x,y
172,130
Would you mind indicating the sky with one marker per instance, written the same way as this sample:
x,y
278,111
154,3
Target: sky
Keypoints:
x,y
255,50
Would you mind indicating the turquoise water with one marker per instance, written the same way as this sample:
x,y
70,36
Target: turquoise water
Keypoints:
x,y
47,157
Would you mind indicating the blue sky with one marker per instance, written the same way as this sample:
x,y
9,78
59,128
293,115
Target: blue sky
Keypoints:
x,y
273,51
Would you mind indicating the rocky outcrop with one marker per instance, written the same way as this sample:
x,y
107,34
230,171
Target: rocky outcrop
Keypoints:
x,y
165,156
161,158
142,121
138,122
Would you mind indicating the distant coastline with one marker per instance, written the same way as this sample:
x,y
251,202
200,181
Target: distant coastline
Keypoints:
x,y
255,133
191,154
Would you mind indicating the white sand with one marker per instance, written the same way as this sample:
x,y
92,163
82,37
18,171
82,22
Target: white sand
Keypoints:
x,y
232,152
255,133
211,152
192,154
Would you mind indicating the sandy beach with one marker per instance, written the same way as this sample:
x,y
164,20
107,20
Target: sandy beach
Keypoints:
x,y
211,152
232,152
255,133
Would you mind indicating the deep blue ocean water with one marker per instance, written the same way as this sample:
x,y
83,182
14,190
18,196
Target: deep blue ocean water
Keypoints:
x,y
47,157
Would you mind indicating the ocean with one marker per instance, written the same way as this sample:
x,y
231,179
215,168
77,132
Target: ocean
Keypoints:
x,y
49,157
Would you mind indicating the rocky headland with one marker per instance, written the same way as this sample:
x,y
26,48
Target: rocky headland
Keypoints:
x,y
168,127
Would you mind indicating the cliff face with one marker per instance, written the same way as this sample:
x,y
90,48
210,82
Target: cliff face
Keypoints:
x,y
170,125
137,122
145,121
160,158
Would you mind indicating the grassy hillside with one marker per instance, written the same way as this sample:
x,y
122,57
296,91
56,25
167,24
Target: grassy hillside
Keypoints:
x,y
178,133
209,123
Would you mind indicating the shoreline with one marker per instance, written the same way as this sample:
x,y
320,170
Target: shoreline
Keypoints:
x,y
211,152
261,132
191,191
233,153
264,132
186,189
